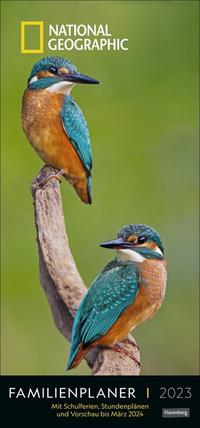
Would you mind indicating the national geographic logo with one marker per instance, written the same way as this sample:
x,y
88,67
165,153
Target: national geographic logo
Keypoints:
x,y
68,37
24,48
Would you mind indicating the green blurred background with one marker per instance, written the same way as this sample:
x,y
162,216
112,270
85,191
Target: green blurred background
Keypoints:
x,y
143,121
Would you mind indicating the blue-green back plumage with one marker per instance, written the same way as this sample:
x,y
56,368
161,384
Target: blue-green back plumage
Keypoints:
x,y
111,292
76,128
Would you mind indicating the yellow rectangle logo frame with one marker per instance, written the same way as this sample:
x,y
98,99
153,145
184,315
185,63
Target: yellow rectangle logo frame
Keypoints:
x,y
24,24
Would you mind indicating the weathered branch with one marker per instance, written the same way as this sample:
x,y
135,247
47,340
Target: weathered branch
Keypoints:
x,y
61,280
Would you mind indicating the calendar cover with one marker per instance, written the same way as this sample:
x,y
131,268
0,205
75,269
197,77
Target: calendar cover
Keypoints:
x,y
99,212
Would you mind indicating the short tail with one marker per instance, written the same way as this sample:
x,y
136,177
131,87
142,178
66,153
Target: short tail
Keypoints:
x,y
83,188
76,357
89,188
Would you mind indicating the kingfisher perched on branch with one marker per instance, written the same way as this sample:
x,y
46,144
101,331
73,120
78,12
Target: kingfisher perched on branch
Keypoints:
x,y
55,125
128,291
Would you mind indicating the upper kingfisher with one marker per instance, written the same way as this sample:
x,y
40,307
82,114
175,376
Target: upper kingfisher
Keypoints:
x,y
128,291
55,125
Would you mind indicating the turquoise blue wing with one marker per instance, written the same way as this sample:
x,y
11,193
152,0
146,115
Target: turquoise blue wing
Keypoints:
x,y
76,129
111,292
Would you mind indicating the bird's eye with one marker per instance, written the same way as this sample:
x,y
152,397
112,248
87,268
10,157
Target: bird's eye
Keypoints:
x,y
142,239
53,70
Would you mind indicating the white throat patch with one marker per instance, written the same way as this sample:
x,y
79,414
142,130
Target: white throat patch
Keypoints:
x,y
34,79
133,256
158,250
61,87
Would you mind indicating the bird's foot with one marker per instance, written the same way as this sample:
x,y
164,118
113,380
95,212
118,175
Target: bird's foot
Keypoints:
x,y
56,176
120,350
131,342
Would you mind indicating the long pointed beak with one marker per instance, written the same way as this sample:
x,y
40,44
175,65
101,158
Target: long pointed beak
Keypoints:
x,y
114,244
80,78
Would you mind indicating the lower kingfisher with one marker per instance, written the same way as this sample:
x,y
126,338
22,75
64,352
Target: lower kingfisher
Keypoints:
x,y
128,291
55,125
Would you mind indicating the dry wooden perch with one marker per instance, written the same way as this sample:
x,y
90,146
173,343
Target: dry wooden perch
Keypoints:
x,y
61,281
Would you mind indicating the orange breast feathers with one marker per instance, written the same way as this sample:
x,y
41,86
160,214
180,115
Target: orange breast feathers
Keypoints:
x,y
43,128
